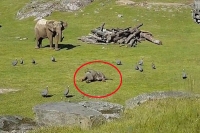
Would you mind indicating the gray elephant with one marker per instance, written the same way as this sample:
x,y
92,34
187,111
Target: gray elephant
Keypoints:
x,y
92,75
49,29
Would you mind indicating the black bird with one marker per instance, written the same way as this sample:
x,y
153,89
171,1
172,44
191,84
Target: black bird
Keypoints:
x,y
153,66
140,68
118,62
33,61
14,63
141,62
53,59
136,67
44,92
22,61
184,75
66,92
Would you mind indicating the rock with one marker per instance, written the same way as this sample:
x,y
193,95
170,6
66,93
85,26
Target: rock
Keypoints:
x,y
120,15
7,90
67,114
109,110
16,124
136,101
41,9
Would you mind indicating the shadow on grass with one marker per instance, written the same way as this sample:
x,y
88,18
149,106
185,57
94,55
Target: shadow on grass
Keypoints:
x,y
69,96
46,96
64,46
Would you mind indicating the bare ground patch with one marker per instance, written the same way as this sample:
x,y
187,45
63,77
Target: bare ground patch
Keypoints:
x,y
129,2
7,90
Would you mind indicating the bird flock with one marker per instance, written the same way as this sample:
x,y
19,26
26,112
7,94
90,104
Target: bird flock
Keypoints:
x,y
15,62
45,92
140,63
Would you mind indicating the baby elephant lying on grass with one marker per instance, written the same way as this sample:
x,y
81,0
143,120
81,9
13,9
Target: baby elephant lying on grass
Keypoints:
x,y
92,75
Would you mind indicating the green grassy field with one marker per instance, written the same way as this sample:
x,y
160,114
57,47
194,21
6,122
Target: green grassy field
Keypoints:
x,y
180,50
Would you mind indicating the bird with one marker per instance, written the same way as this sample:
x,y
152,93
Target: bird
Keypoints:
x,y
22,61
118,62
44,92
66,92
184,75
141,62
53,59
153,66
140,68
33,61
14,63
136,67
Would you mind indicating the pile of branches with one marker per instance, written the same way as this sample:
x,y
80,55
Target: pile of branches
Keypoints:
x,y
129,36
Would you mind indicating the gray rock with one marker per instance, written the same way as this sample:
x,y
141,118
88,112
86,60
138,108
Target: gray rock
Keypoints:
x,y
136,101
67,114
109,110
41,9
16,124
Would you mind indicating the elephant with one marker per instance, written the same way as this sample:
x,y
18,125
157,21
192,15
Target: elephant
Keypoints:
x,y
92,75
49,29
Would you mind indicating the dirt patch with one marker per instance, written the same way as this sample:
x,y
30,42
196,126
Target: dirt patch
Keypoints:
x,y
125,2
7,90
129,2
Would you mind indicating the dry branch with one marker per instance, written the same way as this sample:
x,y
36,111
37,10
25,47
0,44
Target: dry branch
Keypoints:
x,y
129,36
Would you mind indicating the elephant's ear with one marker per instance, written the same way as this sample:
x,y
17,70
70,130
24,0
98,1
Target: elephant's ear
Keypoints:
x,y
50,25
63,24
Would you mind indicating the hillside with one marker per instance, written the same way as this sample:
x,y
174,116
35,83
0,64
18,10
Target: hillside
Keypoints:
x,y
180,50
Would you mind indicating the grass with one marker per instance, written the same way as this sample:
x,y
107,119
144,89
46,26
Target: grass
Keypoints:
x,y
180,50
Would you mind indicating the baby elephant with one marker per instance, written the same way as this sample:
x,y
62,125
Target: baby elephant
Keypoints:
x,y
92,75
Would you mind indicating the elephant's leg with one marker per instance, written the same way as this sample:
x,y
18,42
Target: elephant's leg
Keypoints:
x,y
88,81
37,38
103,80
56,42
84,78
51,42
38,43
88,77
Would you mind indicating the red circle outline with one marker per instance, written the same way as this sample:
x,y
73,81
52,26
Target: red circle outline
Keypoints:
x,y
97,61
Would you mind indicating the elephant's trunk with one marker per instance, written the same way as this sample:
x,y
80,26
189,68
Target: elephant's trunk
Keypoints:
x,y
60,36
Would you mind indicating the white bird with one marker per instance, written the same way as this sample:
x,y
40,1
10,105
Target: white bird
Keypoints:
x,y
141,62
44,92
140,68
66,92
184,75
153,66
33,61
136,67
118,62
21,61
14,63
53,59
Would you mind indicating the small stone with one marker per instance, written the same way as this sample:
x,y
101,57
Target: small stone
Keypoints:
x,y
120,15
109,110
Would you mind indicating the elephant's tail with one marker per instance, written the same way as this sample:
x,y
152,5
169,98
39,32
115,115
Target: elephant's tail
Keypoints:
x,y
108,78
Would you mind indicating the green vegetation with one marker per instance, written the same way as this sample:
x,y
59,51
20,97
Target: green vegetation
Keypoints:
x,y
180,50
